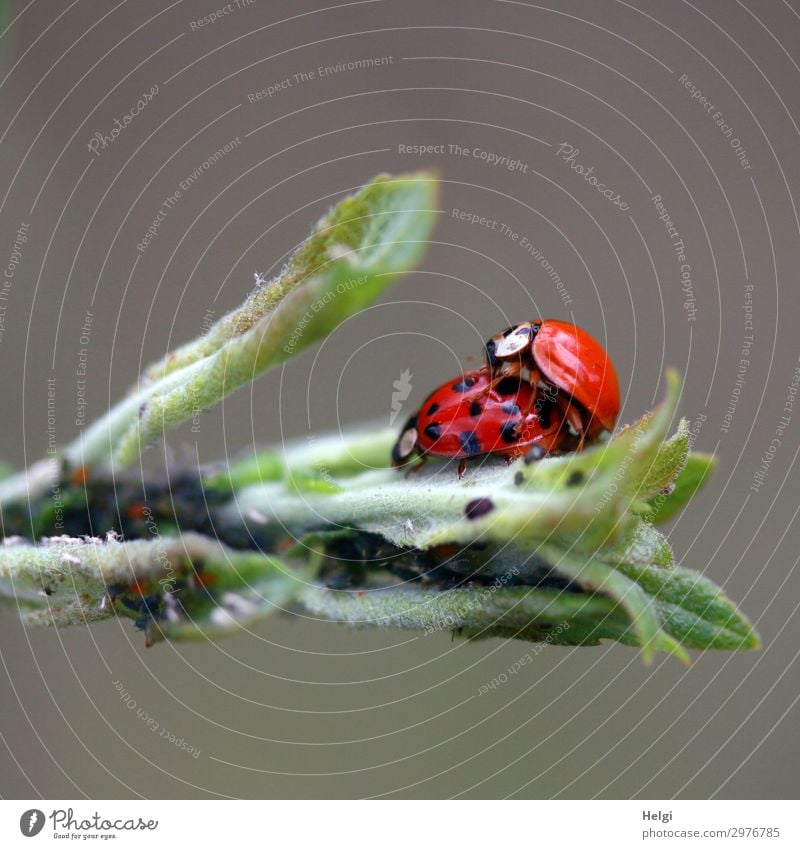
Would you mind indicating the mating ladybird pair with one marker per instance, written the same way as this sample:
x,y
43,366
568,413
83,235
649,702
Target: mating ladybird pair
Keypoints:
x,y
547,387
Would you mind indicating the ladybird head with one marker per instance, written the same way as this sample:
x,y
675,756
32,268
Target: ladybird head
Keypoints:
x,y
509,344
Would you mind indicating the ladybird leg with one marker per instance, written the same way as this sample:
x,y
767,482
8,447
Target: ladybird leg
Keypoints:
x,y
415,469
489,386
511,370
462,468
534,376
575,420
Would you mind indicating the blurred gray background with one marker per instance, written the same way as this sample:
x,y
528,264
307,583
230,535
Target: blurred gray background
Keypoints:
x,y
301,708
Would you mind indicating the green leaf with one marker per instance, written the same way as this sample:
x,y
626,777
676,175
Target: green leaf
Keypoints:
x,y
350,258
245,588
312,482
381,230
644,545
174,587
342,455
659,609
594,575
673,497
693,609
524,612
666,465
352,255
262,467
581,500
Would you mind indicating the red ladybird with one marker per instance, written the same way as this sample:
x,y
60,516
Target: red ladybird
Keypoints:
x,y
582,377
476,415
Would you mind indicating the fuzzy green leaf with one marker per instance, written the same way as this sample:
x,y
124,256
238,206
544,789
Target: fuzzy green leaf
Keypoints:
x,y
693,609
175,587
656,608
382,229
525,612
673,497
349,259
582,500
596,576
667,464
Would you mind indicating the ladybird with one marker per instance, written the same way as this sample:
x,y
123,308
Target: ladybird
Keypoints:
x,y
575,369
474,415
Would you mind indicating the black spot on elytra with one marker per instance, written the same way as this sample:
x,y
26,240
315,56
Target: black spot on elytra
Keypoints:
x,y
575,478
508,431
475,408
463,385
432,409
433,431
511,407
508,386
470,444
537,452
478,507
